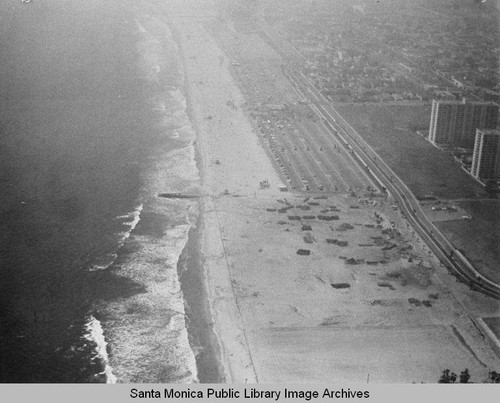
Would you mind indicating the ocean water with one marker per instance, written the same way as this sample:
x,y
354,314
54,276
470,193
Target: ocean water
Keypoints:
x,y
93,126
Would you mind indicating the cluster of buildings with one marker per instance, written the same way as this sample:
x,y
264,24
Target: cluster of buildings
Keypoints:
x,y
469,125
397,51
454,51
408,50
346,62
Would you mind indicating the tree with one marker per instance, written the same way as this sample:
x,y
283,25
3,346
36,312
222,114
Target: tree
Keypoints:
x,y
464,376
494,377
448,377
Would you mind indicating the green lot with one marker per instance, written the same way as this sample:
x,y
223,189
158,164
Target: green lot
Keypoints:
x,y
429,171
424,168
479,237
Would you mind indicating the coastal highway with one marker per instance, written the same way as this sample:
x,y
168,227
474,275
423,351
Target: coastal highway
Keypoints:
x,y
409,205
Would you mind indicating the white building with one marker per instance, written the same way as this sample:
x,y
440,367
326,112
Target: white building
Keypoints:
x,y
486,158
455,122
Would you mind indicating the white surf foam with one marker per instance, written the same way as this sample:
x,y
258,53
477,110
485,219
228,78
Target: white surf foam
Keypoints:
x,y
134,217
150,327
95,334
129,220
103,262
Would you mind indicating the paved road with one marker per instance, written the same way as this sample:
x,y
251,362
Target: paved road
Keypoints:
x,y
409,205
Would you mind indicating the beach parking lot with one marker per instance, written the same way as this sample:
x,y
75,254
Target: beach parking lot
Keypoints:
x,y
285,285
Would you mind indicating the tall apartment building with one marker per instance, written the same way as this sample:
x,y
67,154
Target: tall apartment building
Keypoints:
x,y
486,158
455,122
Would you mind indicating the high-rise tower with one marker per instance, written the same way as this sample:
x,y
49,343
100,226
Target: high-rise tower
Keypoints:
x,y
455,122
486,158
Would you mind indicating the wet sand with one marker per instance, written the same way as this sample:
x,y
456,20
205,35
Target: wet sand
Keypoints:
x,y
199,322
273,308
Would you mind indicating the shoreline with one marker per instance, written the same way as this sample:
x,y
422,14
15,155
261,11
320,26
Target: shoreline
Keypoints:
x,y
233,361
193,276
199,319
272,308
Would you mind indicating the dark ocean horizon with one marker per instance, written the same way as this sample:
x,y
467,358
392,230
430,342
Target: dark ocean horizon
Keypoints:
x,y
92,128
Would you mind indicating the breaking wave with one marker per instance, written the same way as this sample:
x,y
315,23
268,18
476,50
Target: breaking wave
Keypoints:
x,y
147,331
95,334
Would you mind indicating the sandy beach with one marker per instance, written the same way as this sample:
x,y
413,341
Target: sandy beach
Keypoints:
x,y
352,311
177,209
